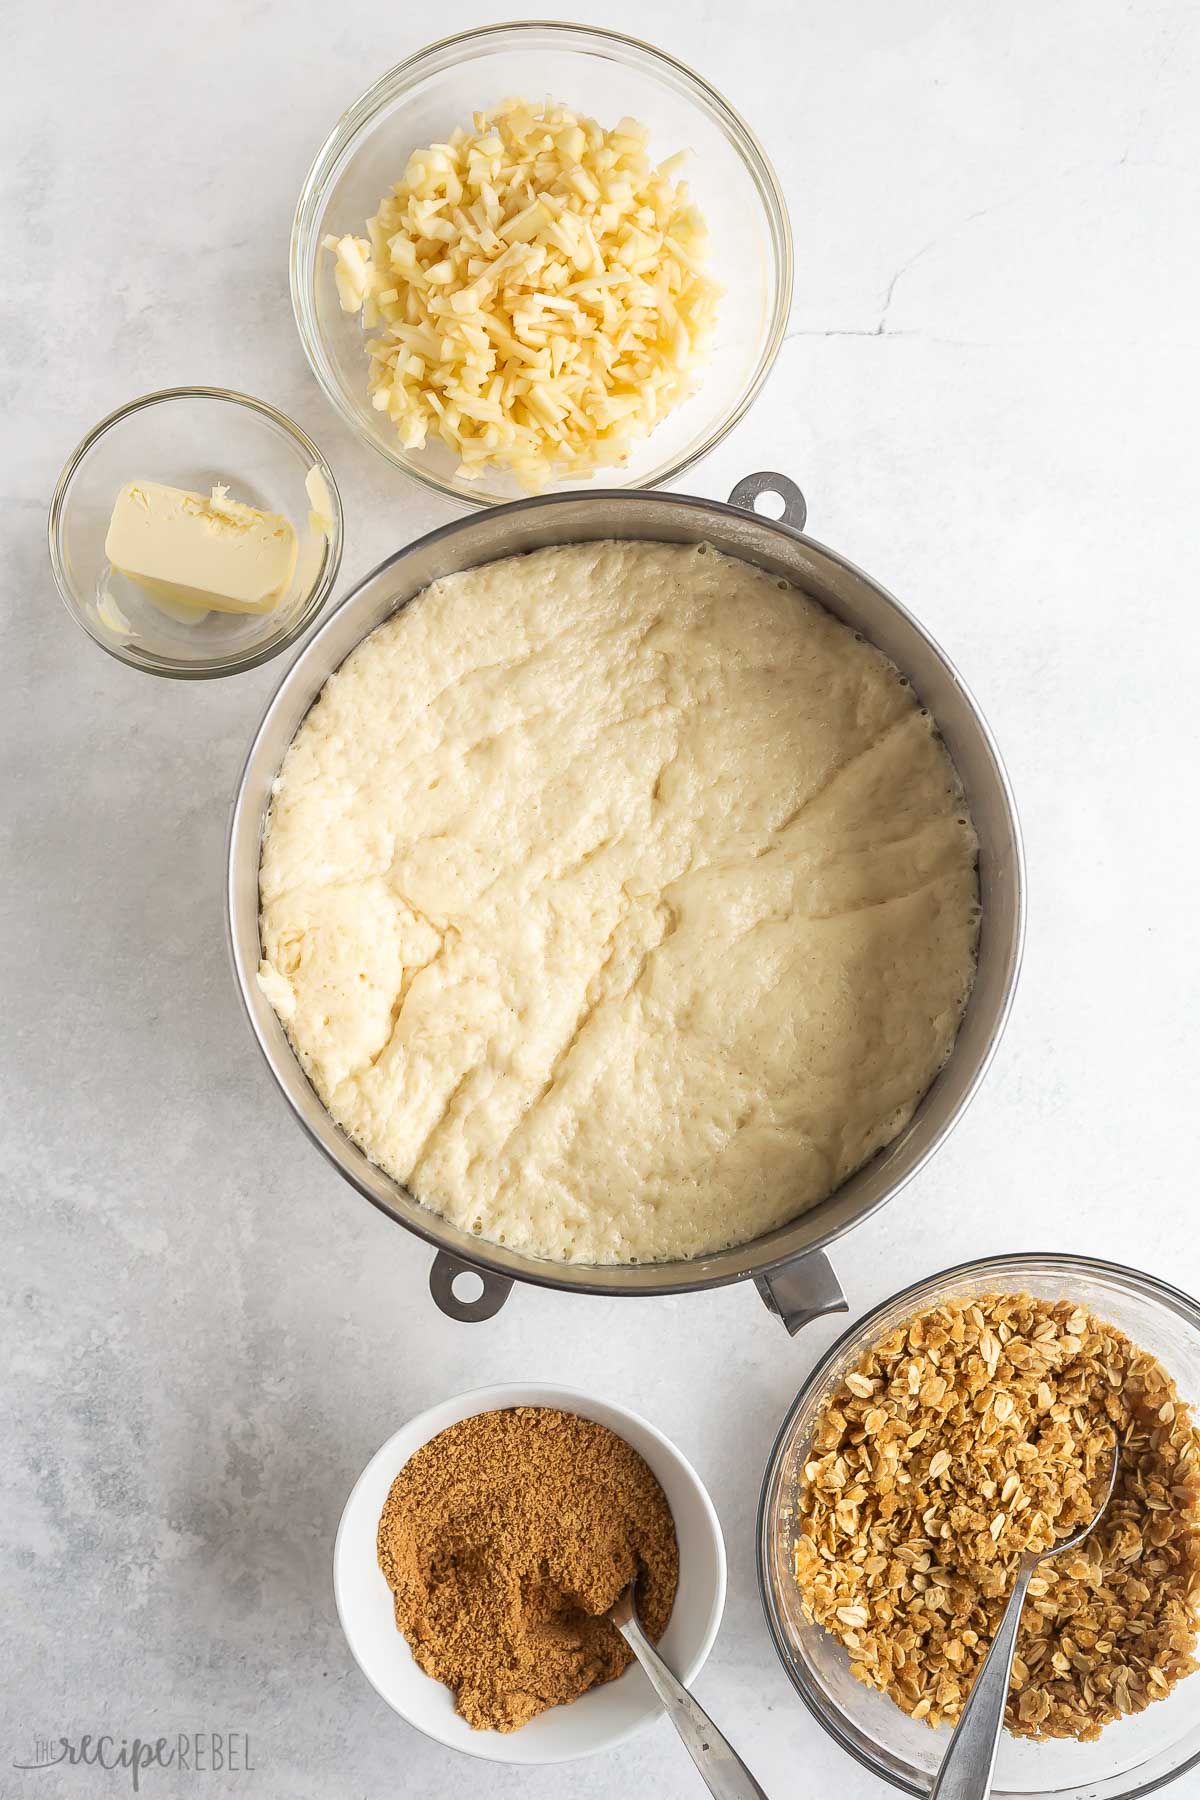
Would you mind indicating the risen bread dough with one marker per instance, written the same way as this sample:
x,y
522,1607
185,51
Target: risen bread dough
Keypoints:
x,y
618,900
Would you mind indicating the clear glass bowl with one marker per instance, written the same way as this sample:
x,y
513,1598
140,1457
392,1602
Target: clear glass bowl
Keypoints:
x,y
607,76
190,438
1132,1756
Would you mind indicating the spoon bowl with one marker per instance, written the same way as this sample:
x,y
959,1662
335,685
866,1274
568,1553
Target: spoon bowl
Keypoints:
x,y
1085,1531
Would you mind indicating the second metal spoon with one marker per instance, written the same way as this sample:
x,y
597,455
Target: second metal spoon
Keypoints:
x,y
725,1774
970,1759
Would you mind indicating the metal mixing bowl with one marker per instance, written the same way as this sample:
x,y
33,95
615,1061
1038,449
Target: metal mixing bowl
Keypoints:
x,y
788,1265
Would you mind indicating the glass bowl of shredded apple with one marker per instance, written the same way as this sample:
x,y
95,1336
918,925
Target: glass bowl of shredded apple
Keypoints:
x,y
538,257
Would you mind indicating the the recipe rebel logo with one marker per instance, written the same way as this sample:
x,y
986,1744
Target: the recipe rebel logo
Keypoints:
x,y
186,1753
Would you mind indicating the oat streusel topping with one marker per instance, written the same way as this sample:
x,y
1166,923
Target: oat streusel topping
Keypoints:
x,y
976,1431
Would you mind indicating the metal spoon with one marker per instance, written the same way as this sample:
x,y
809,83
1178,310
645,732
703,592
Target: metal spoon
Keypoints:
x,y
970,1759
724,1772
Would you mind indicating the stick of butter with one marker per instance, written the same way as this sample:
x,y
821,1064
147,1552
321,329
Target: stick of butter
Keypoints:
x,y
201,550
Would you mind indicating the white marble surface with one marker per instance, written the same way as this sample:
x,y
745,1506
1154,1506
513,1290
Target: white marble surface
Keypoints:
x,y
989,393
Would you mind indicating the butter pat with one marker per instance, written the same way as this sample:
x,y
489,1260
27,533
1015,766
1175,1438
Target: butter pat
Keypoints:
x,y
199,550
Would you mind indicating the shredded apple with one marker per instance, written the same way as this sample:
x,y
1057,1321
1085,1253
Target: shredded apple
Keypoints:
x,y
538,289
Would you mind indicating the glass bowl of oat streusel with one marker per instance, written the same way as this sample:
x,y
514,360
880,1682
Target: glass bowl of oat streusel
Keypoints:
x,y
966,1419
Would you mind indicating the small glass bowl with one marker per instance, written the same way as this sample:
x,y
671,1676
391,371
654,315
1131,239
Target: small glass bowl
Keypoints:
x,y
193,438
606,76
1132,1756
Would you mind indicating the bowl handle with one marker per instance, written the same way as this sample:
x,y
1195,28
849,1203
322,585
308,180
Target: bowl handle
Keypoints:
x,y
766,481
802,1290
445,1272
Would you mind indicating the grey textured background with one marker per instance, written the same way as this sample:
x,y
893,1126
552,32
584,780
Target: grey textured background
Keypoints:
x,y
989,394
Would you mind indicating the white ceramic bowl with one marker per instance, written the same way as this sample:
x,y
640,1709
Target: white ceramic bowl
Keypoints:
x,y
605,1716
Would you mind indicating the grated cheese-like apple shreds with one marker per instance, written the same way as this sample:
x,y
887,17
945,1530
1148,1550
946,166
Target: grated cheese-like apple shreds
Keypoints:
x,y
537,291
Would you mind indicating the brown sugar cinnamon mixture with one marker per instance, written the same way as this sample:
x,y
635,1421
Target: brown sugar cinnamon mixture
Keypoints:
x,y
504,1539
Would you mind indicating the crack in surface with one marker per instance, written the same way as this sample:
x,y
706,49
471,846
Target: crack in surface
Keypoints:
x,y
914,332
881,328
561,1055
592,1003
834,775
847,912
442,1119
407,976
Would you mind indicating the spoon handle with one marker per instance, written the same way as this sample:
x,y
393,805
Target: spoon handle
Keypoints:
x,y
966,1771
725,1774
